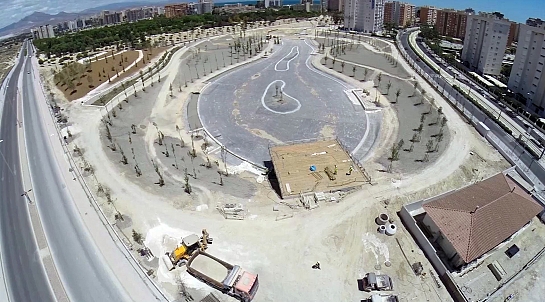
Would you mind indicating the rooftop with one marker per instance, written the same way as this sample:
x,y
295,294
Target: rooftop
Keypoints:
x,y
477,218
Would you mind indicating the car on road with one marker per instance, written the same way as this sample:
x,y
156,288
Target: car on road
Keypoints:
x,y
28,72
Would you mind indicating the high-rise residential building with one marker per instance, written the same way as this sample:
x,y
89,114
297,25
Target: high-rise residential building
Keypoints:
x,y
335,5
273,3
364,15
535,22
428,15
176,10
513,33
526,75
43,32
391,13
407,14
107,17
451,23
135,14
485,42
399,13
205,6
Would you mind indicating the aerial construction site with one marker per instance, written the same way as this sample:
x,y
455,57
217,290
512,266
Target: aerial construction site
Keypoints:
x,y
269,163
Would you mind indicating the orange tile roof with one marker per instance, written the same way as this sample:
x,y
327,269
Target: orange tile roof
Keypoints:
x,y
477,218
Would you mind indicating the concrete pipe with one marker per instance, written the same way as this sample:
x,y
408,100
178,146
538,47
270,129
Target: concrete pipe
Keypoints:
x,y
391,229
382,229
382,219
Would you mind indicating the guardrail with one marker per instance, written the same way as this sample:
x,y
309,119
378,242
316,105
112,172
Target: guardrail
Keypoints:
x,y
94,203
492,112
523,160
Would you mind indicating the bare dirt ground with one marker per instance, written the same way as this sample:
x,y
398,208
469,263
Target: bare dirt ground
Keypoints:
x,y
341,236
7,59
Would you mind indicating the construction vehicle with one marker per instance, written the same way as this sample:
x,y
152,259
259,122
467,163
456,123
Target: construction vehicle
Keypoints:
x,y
372,282
238,283
381,298
188,246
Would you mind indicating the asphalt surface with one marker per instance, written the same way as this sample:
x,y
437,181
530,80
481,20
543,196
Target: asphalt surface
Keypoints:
x,y
467,106
23,270
80,264
240,108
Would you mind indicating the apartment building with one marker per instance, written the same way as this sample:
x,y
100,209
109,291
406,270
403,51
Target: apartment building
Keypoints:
x,y
526,75
428,15
399,13
335,5
135,14
535,22
109,18
407,14
391,12
272,3
177,10
513,33
205,6
43,32
364,15
485,42
451,23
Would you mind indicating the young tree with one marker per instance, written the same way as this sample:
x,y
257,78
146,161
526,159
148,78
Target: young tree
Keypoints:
x,y
388,86
398,93
415,88
379,79
354,71
365,73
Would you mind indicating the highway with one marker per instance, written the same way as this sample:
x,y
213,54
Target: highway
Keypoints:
x,y
527,163
486,100
81,266
24,273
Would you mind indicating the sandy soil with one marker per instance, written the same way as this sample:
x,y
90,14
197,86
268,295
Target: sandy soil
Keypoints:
x,y
341,236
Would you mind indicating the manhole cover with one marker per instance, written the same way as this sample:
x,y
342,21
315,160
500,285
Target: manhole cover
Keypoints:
x,y
387,263
377,267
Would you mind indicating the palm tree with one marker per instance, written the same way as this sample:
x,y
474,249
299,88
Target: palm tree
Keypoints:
x,y
342,67
398,92
423,96
388,86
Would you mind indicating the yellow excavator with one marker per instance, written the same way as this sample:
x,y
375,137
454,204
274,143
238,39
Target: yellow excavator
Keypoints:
x,y
185,250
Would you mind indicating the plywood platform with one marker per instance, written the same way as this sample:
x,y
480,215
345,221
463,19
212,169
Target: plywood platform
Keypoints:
x,y
292,167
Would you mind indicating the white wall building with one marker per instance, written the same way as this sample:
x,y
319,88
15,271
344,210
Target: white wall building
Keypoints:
x,y
43,31
526,75
273,3
485,42
364,15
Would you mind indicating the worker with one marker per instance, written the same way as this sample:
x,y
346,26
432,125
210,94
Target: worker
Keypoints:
x,y
350,170
316,266
335,170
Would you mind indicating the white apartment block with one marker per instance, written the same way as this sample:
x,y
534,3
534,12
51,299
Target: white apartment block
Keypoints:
x,y
526,75
43,32
485,42
364,15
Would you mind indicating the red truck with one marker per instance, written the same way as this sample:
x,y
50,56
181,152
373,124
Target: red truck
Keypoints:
x,y
237,283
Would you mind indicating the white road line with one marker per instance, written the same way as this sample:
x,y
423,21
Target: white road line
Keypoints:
x,y
282,90
287,63
362,141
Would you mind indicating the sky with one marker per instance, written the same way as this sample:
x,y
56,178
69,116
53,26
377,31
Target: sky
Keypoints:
x,y
516,10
